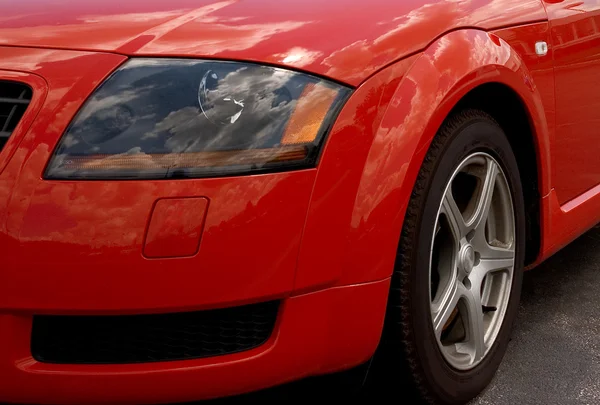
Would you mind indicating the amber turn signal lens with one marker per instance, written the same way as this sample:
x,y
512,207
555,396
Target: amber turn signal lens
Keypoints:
x,y
186,160
309,114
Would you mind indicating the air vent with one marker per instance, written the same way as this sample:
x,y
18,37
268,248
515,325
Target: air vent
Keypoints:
x,y
14,100
151,338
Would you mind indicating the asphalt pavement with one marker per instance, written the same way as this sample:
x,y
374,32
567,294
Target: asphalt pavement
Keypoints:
x,y
554,355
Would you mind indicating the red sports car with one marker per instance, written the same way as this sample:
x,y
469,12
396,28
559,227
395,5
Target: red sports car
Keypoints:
x,y
200,198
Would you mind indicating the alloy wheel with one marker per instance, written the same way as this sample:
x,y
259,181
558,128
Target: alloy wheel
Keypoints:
x,y
472,261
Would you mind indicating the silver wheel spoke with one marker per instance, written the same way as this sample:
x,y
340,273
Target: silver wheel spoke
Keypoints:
x,y
491,259
455,217
445,308
494,253
484,197
487,266
475,344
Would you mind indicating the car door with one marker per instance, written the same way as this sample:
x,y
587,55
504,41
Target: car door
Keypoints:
x,y
576,47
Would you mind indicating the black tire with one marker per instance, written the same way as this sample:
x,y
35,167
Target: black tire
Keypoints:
x,y
409,356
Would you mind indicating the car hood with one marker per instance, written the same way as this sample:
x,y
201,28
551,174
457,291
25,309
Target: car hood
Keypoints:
x,y
347,40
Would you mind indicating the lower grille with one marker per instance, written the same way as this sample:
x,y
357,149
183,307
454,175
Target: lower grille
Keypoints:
x,y
14,99
151,338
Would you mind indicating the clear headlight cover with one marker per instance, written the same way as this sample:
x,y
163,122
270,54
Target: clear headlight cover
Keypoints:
x,y
166,118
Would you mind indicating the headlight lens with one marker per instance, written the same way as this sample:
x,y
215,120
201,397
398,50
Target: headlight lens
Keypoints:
x,y
165,118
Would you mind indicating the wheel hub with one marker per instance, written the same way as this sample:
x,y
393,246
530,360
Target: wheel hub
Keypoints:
x,y
466,258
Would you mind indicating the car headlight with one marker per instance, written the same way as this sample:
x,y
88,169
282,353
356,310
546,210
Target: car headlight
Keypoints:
x,y
165,118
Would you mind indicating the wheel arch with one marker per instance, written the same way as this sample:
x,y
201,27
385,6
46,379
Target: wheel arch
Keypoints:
x,y
426,90
506,106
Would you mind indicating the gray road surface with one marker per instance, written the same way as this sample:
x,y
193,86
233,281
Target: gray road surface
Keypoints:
x,y
554,355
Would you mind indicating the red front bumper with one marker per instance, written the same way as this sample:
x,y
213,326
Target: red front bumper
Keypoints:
x,y
316,333
75,247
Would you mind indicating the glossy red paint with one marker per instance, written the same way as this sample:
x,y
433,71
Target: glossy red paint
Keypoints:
x,y
314,35
576,43
540,81
321,240
175,227
361,216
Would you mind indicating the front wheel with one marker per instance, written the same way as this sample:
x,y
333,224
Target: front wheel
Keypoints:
x,y
457,282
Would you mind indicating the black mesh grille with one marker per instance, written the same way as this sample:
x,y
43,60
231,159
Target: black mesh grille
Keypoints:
x,y
150,338
14,99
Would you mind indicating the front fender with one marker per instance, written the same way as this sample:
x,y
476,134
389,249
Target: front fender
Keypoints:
x,y
371,161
